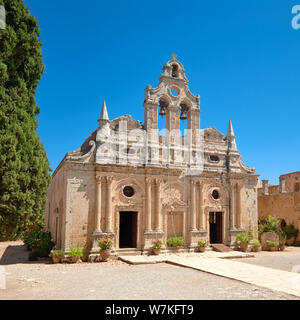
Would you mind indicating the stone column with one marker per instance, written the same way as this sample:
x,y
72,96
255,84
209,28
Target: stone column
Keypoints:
x,y
109,205
98,205
201,207
193,207
232,206
282,186
148,205
158,206
265,184
238,206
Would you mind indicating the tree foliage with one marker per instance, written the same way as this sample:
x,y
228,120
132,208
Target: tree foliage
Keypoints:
x,y
24,168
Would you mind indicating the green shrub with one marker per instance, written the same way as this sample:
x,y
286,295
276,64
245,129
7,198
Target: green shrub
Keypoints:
x,y
271,243
290,231
272,224
282,238
157,244
40,242
256,243
175,242
44,245
202,243
244,236
30,238
57,253
75,252
297,244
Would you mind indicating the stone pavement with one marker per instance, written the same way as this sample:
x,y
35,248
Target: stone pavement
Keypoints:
x,y
149,259
278,280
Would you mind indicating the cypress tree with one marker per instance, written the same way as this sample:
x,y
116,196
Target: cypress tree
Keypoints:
x,y
24,168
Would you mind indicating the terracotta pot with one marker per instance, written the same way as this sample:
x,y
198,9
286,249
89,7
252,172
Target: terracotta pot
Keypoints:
x,y
255,249
244,247
290,241
75,259
282,247
156,251
56,259
104,255
272,248
202,249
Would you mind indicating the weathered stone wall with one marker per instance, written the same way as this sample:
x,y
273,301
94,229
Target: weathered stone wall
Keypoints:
x,y
282,205
290,180
55,207
80,204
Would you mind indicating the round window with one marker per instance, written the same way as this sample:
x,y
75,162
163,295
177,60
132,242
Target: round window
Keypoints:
x,y
215,194
174,91
128,191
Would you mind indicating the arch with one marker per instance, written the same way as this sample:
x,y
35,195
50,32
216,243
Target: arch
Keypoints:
x,y
164,102
183,115
175,70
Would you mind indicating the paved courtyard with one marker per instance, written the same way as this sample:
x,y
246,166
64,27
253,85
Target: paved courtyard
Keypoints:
x,y
118,280
285,260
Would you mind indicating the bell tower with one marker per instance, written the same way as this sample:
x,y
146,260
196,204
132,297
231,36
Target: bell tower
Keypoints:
x,y
172,99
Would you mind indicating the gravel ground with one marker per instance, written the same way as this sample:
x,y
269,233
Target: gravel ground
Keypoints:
x,y
117,280
282,260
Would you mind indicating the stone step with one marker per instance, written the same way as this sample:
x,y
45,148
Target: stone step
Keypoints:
x,y
128,252
220,247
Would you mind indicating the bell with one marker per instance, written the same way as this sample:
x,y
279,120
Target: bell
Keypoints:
x,y
183,115
162,111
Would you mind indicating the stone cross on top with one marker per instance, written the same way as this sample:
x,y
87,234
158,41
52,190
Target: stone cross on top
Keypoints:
x,y
174,56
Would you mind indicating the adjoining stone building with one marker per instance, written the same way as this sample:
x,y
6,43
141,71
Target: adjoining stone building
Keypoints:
x,y
281,201
138,184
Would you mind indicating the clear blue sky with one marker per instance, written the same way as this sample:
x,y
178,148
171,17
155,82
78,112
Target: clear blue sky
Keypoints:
x,y
242,57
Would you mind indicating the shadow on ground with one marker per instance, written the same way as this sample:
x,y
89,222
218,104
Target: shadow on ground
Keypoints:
x,y
15,254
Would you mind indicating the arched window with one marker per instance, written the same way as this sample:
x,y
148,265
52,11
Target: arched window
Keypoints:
x,y
297,187
162,112
183,116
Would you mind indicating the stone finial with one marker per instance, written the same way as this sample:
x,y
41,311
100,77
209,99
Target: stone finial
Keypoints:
x,y
230,133
265,184
174,56
282,185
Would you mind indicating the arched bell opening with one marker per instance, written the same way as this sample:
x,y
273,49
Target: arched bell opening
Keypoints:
x,y
174,70
183,116
162,112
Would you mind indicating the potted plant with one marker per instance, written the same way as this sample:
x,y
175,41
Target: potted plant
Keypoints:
x,y
105,246
175,242
202,245
255,245
291,234
269,230
244,239
272,245
75,253
282,241
157,244
57,255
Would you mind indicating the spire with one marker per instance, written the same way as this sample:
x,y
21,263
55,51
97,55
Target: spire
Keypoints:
x,y
231,138
230,133
104,114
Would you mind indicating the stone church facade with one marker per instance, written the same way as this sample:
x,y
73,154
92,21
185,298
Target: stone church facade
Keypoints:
x,y
138,184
